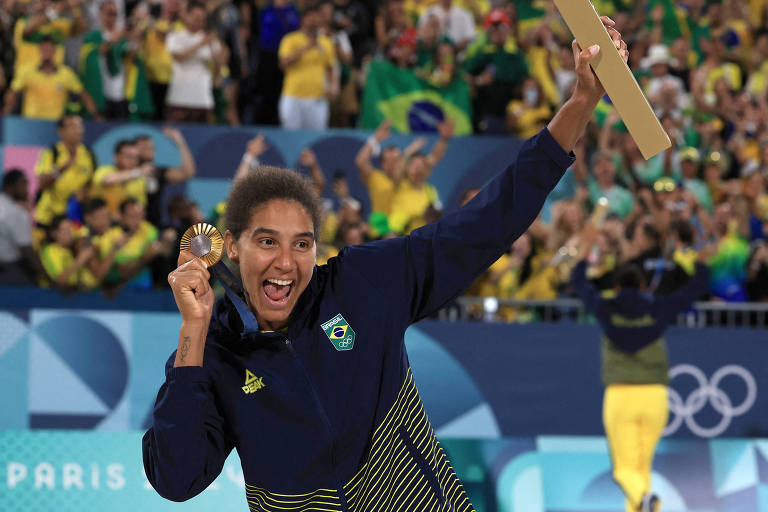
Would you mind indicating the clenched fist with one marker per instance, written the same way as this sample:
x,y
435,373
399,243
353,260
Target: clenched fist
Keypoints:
x,y
191,290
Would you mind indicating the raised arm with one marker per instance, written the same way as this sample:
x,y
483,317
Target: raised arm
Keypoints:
x,y
373,144
668,307
308,159
188,443
255,148
445,129
187,169
439,261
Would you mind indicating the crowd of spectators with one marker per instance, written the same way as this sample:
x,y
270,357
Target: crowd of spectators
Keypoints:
x,y
702,63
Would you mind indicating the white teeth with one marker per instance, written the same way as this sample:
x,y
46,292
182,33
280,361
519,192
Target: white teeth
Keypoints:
x,y
279,282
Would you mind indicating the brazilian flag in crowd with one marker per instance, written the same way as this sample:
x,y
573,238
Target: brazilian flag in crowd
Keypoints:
x,y
137,91
412,104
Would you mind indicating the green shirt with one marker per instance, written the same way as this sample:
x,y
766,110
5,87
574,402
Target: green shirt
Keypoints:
x,y
701,191
649,365
620,200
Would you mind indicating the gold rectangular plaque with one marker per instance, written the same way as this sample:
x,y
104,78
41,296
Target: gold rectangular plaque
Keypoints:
x,y
625,93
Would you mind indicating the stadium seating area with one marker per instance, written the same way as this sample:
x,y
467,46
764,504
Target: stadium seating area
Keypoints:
x,y
110,218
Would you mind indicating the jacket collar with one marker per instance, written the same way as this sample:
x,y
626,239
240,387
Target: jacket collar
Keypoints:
x,y
232,315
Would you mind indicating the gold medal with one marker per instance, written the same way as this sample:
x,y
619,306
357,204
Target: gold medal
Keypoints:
x,y
205,242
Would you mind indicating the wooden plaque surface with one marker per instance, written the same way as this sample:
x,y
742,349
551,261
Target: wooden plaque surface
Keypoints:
x,y
625,93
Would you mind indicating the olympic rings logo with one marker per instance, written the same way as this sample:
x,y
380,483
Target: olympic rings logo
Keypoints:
x,y
708,392
345,342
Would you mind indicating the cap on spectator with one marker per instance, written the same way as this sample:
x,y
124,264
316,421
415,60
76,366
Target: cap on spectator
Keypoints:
x,y
495,17
379,224
665,184
714,158
657,54
690,154
408,38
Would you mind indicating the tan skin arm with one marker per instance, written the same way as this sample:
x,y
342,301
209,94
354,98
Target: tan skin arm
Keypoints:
x,y
80,261
90,106
309,160
570,121
187,170
290,60
194,298
10,102
363,158
445,129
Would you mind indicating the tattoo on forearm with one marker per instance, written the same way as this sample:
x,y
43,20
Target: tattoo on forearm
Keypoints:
x,y
184,348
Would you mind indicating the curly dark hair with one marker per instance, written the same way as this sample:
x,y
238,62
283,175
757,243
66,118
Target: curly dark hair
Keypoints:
x,y
261,186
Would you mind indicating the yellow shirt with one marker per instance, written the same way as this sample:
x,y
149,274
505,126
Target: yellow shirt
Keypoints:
x,y
53,200
728,70
529,120
45,94
409,205
416,8
306,78
542,283
116,194
136,245
381,190
27,50
157,59
542,63
56,259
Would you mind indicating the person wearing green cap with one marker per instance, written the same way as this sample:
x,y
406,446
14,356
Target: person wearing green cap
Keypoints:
x,y
689,168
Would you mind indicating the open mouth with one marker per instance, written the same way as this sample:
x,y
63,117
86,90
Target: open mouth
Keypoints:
x,y
277,291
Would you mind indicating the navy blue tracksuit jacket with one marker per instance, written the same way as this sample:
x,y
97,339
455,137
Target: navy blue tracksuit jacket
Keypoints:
x,y
634,319
326,416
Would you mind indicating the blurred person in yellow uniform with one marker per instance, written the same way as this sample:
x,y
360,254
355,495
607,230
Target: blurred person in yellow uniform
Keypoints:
x,y
62,261
157,58
126,178
526,117
414,195
683,236
142,246
54,19
635,367
46,87
105,241
64,169
308,59
381,183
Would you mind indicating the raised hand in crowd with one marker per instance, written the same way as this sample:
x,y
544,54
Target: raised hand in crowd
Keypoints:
x,y
308,159
256,147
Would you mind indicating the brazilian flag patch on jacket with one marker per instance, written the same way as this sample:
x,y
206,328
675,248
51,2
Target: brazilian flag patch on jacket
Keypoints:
x,y
339,332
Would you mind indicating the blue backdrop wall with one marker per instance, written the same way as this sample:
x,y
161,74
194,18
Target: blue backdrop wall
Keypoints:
x,y
469,161
517,406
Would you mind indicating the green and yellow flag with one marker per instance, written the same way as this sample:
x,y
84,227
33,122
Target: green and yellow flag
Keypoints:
x,y
412,104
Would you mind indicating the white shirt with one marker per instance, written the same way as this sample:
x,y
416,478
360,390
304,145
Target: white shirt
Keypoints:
x,y
456,23
112,85
15,229
191,80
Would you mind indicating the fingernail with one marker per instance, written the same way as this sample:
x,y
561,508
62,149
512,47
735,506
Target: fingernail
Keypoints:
x,y
594,49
